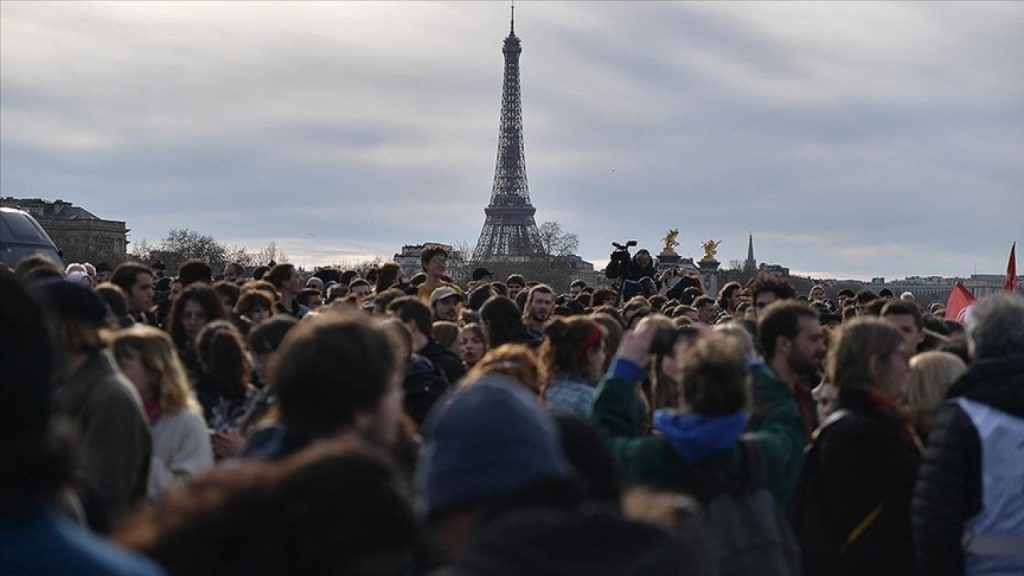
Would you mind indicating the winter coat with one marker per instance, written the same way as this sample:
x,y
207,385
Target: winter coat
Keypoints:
x,y
181,450
852,509
659,461
113,437
42,540
595,542
614,269
424,383
775,412
444,359
949,499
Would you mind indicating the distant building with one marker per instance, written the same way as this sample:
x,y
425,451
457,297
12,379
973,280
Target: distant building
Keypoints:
x,y
79,234
750,264
580,269
776,269
688,266
936,288
409,257
924,291
982,285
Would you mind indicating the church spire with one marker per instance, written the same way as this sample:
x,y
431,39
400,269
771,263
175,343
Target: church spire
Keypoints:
x,y
750,264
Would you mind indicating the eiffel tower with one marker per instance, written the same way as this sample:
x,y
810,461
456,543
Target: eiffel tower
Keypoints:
x,y
510,233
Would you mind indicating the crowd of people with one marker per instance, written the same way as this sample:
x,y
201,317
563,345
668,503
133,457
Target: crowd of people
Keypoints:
x,y
362,422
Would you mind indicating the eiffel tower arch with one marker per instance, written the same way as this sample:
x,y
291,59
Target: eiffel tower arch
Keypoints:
x,y
510,232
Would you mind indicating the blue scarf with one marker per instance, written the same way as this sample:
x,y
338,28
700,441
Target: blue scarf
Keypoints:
x,y
696,436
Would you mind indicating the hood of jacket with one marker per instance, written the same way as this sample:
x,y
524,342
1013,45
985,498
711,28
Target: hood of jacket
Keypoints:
x,y
697,436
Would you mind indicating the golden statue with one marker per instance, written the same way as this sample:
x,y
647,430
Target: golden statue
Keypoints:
x,y
710,250
670,241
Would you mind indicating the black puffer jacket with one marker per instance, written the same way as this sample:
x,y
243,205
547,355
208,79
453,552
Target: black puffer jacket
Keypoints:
x,y
948,490
444,359
635,270
852,508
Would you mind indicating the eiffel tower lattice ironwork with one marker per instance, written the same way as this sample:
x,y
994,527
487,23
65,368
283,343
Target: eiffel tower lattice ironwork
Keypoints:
x,y
510,232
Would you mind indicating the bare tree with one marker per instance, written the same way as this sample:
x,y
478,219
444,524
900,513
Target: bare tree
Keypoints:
x,y
556,242
270,253
240,255
360,265
181,245
141,251
557,268
460,269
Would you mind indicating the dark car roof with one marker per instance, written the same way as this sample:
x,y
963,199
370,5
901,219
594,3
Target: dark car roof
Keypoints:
x,y
21,236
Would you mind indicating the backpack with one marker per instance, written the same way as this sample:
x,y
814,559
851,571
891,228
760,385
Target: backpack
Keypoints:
x,y
748,532
424,383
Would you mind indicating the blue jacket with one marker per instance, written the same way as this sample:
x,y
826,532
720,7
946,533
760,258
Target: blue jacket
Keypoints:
x,y
42,541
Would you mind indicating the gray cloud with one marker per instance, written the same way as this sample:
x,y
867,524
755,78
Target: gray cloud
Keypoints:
x,y
850,139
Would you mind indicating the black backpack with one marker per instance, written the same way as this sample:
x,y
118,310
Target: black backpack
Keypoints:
x,y
424,383
748,532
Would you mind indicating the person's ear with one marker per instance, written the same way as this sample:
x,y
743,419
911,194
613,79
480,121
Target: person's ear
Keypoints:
x,y
782,345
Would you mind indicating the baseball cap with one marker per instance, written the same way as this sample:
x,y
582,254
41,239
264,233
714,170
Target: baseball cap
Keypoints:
x,y
441,293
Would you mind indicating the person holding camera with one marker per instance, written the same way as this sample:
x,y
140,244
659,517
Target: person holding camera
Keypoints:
x,y
622,267
709,416
700,448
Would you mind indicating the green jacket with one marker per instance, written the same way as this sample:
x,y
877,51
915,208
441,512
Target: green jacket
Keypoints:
x,y
652,460
776,419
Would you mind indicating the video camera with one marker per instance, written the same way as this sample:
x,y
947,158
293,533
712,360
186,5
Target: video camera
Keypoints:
x,y
619,261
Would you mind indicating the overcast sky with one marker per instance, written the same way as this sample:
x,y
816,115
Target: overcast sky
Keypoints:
x,y
852,140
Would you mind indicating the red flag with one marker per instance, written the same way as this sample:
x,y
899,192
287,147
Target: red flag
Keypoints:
x,y
959,304
1011,271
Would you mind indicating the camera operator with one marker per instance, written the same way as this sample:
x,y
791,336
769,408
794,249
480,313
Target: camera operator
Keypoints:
x,y
622,267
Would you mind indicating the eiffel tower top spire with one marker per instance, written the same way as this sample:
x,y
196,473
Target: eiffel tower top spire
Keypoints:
x,y
512,28
510,232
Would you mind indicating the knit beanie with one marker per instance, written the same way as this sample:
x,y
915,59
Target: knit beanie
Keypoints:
x,y
489,439
630,288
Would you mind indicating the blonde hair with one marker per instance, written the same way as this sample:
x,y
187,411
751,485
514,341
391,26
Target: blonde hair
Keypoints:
x,y
931,376
740,336
158,355
850,354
